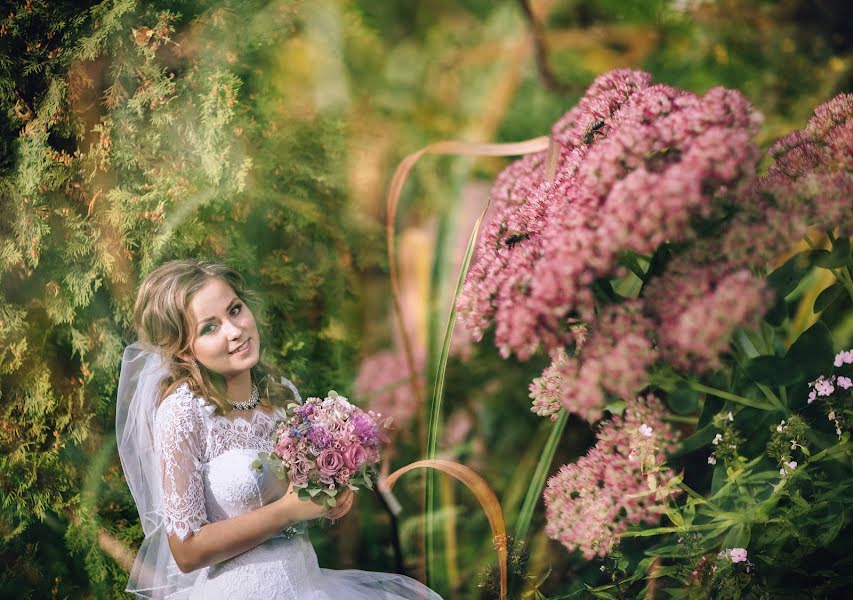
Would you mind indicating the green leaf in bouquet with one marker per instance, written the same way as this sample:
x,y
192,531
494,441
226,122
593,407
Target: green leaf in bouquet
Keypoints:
x,y
278,469
827,297
257,465
332,492
786,278
683,399
331,501
313,492
834,259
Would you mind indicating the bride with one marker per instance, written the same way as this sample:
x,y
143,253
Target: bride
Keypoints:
x,y
194,408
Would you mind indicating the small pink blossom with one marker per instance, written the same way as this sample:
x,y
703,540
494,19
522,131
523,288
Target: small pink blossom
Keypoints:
x,y
844,382
824,387
845,357
791,465
737,554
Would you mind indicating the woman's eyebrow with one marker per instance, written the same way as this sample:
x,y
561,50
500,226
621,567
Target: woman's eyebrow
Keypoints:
x,y
230,304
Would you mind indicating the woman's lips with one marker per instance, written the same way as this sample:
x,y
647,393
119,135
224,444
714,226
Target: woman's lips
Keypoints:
x,y
243,348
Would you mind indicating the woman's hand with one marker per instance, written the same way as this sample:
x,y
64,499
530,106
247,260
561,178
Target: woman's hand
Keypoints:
x,y
296,510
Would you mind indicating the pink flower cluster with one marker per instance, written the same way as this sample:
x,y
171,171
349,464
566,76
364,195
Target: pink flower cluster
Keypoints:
x,y
613,359
698,302
638,163
825,386
589,503
809,184
641,166
383,383
327,444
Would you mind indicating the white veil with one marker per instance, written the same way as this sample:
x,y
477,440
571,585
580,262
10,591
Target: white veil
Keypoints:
x,y
155,574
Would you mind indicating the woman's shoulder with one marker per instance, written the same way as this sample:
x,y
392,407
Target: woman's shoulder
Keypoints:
x,y
181,405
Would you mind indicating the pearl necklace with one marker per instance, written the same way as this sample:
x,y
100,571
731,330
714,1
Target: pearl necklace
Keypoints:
x,y
253,400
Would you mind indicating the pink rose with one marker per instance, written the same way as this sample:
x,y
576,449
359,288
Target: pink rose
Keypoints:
x,y
354,457
299,470
329,461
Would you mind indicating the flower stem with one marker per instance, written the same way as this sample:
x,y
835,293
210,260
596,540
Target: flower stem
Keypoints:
x,y
697,496
729,396
680,419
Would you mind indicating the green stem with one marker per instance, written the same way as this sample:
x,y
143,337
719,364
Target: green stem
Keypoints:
x,y
680,419
697,496
537,482
729,396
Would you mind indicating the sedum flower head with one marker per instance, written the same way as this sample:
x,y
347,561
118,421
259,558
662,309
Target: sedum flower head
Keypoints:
x,y
638,163
590,502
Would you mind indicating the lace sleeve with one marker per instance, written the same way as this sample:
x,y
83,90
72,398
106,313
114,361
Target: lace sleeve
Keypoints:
x,y
179,431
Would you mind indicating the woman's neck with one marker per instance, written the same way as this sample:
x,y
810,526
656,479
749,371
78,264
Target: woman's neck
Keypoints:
x,y
239,387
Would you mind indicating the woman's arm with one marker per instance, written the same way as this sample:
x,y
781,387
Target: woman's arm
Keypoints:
x,y
222,540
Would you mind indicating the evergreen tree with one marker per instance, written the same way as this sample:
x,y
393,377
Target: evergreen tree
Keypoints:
x,y
136,132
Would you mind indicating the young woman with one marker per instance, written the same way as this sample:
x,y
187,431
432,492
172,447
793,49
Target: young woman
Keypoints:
x,y
195,406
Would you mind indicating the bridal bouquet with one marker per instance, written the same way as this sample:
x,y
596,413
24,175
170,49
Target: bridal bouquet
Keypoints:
x,y
324,446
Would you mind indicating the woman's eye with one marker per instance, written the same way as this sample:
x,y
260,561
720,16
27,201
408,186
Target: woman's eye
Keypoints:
x,y
207,329
236,309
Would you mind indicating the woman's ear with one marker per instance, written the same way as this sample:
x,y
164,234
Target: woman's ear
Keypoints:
x,y
187,358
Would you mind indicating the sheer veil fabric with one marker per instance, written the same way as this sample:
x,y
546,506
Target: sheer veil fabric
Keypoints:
x,y
155,574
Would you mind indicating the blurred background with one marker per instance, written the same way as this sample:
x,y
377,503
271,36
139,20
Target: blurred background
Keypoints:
x,y
264,134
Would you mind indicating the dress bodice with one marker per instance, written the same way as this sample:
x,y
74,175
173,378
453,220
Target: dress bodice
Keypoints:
x,y
207,461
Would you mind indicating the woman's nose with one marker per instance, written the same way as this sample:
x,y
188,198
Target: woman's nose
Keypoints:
x,y
231,330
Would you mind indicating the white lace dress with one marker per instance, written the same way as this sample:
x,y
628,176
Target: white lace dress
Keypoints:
x,y
207,477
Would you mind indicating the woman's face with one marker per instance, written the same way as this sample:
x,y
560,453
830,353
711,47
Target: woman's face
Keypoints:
x,y
224,333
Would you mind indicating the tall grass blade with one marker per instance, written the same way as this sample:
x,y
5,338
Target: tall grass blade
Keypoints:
x,y
537,482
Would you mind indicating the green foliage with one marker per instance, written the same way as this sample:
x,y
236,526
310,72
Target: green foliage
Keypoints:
x,y
139,132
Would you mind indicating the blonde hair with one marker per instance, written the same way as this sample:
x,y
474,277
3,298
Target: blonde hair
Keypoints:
x,y
161,318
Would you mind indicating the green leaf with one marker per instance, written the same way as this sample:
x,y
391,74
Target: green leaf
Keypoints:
x,y
812,353
702,437
828,296
838,257
683,400
777,315
257,465
771,370
786,278
737,537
